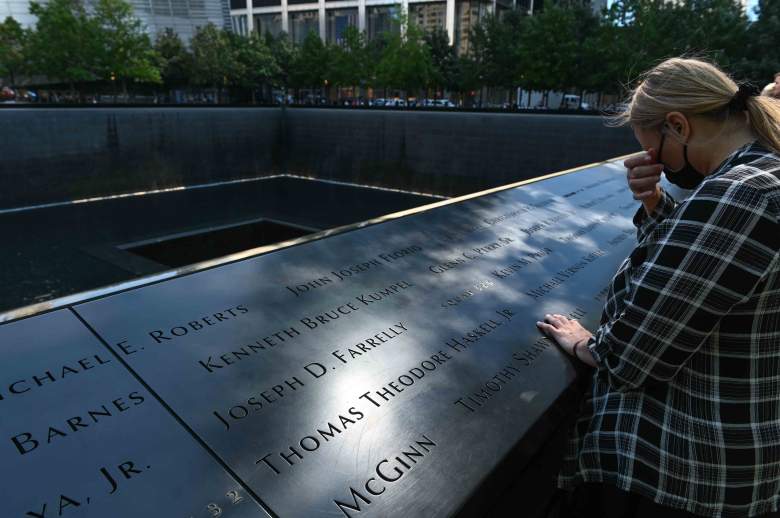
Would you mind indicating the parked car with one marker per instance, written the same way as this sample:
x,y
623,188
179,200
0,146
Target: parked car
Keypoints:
x,y
444,103
377,102
280,99
6,94
572,102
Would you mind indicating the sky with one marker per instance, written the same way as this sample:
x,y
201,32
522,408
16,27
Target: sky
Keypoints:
x,y
751,4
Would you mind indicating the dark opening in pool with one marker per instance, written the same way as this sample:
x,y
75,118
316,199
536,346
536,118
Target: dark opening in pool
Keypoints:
x,y
183,249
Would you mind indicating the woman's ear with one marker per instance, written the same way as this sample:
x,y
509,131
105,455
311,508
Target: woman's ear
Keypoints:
x,y
678,126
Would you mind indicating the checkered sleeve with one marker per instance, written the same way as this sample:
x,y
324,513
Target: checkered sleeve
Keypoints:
x,y
646,223
692,268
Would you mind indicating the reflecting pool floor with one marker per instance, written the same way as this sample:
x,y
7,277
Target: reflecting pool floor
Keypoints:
x,y
55,251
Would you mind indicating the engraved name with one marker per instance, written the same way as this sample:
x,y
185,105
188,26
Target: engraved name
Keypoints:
x,y
386,472
161,335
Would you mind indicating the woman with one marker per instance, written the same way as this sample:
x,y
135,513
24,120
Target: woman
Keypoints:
x,y
684,414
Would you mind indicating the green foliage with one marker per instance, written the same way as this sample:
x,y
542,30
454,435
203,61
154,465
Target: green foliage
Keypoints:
x,y
715,29
762,61
444,60
213,57
312,63
496,47
66,42
285,56
467,77
173,59
253,60
406,61
126,52
350,61
562,47
13,39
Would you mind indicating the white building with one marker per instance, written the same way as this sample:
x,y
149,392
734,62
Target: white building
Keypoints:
x,y
329,18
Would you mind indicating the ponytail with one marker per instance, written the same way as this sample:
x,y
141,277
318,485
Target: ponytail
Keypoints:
x,y
765,120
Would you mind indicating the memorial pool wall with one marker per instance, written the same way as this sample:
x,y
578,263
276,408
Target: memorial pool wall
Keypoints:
x,y
60,154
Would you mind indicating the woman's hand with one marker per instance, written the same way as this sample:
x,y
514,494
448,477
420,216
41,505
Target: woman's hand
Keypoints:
x,y
568,333
643,174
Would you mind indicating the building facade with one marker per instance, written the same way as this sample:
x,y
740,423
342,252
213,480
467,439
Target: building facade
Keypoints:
x,y
329,18
183,16
19,10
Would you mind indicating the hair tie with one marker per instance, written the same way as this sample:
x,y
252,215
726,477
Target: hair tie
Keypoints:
x,y
739,101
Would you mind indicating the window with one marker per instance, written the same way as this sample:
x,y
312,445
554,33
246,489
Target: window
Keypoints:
x,y
382,19
302,23
468,14
240,24
268,24
429,16
338,21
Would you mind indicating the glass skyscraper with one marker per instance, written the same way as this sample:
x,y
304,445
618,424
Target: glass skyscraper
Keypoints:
x,y
183,16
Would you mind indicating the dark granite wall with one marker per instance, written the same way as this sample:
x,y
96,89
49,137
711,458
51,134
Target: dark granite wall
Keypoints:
x,y
442,152
59,154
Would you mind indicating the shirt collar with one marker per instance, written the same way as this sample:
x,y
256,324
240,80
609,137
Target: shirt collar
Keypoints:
x,y
741,155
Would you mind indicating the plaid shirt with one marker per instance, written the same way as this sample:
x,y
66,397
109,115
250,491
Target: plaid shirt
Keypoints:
x,y
685,402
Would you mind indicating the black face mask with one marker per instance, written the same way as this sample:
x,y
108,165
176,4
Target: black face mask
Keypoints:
x,y
686,177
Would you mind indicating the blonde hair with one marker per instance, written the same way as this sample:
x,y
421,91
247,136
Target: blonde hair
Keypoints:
x,y
696,87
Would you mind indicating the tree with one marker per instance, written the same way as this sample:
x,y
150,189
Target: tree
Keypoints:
x,y
714,29
173,59
285,56
312,64
254,63
213,58
66,43
406,63
444,60
761,61
467,78
608,51
719,30
126,53
350,61
533,56
495,46
13,58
